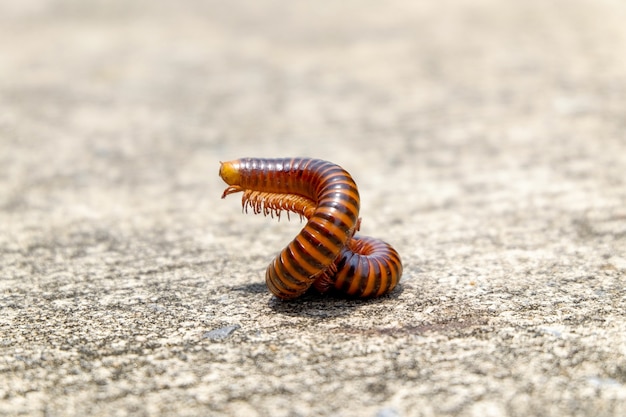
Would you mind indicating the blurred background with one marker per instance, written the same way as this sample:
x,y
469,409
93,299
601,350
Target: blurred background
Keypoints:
x,y
143,98
485,106
158,90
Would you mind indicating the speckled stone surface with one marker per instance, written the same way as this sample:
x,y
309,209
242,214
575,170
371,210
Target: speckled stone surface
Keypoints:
x,y
488,141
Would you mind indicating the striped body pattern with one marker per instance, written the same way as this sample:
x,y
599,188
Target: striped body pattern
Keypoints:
x,y
326,253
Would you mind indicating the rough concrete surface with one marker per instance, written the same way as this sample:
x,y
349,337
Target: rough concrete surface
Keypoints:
x,y
488,139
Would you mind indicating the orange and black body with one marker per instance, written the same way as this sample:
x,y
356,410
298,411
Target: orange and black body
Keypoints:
x,y
366,267
325,253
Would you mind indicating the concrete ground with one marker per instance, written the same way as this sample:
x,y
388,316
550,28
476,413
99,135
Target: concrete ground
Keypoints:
x,y
488,138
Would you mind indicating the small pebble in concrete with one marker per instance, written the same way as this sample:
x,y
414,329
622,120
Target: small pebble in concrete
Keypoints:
x,y
221,333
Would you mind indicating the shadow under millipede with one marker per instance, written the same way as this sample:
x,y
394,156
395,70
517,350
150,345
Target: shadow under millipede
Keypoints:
x,y
333,304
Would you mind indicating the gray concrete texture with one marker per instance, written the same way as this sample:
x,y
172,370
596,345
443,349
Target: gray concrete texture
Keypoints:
x,y
488,139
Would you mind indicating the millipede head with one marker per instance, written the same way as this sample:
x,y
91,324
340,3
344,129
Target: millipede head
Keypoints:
x,y
229,171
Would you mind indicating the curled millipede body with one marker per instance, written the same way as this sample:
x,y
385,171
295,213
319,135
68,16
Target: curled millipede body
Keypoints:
x,y
326,253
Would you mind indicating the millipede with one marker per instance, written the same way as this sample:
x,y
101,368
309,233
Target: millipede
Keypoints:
x,y
326,254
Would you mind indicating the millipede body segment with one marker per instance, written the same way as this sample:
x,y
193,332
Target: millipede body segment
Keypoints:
x,y
326,253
